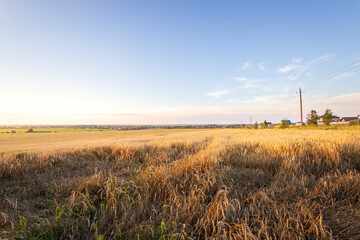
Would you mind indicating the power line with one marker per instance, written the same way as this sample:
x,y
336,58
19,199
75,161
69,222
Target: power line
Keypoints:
x,y
353,66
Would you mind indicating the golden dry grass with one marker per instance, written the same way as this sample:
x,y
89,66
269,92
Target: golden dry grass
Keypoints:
x,y
35,142
174,184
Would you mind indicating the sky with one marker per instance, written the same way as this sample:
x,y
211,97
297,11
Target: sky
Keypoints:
x,y
176,62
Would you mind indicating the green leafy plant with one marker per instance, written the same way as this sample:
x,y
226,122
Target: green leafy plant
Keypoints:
x,y
354,123
284,123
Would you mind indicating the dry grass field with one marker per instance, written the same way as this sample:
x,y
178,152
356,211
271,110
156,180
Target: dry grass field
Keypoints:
x,y
181,184
35,142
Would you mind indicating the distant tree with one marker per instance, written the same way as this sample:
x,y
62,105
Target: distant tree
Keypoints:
x,y
13,131
30,130
312,118
264,124
328,117
256,125
284,123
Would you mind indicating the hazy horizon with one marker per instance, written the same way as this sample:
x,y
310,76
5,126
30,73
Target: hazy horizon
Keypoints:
x,y
176,62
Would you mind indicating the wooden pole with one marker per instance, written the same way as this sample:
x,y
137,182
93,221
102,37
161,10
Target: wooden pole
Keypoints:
x,y
301,113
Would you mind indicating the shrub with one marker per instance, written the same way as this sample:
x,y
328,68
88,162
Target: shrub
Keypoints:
x,y
354,123
284,123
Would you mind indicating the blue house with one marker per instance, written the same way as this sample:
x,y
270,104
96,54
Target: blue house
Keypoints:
x,y
288,121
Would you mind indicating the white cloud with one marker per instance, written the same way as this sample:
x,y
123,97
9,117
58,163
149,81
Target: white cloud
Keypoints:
x,y
244,66
272,99
297,60
249,85
347,98
342,105
289,67
321,58
240,79
243,79
262,67
343,75
301,68
291,77
258,80
219,93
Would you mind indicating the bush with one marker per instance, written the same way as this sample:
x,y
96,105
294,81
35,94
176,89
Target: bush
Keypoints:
x,y
354,123
284,124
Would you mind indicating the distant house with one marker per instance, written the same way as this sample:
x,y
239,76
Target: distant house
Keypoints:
x,y
335,118
288,121
348,119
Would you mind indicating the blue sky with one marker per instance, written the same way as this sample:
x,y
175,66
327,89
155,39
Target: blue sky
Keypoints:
x,y
151,62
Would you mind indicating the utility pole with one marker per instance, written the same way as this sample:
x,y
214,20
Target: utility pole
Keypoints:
x,y
250,120
301,108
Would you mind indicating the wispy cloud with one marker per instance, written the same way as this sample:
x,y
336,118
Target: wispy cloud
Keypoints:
x,y
245,66
219,93
320,59
262,67
249,85
291,77
354,69
274,99
241,79
297,60
252,86
343,75
340,104
244,79
288,68
297,68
